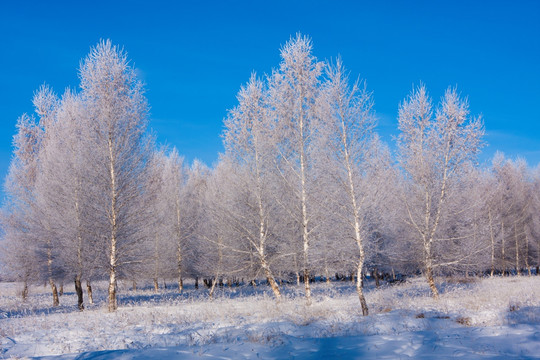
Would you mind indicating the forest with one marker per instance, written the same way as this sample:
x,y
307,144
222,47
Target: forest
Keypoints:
x,y
305,190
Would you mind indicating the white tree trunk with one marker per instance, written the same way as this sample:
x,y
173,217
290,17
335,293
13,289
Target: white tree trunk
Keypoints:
x,y
113,239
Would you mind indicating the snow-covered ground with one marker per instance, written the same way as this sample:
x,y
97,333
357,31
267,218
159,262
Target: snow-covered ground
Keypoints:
x,y
489,318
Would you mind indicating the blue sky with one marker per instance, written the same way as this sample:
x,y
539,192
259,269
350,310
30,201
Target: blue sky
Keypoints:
x,y
193,57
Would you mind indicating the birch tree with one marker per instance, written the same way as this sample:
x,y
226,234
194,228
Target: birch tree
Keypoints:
x,y
21,250
294,89
174,222
115,102
196,259
247,143
535,223
433,150
157,261
62,192
46,106
182,228
514,199
347,132
25,224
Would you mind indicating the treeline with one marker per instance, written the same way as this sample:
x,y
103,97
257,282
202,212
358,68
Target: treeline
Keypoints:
x,y
305,187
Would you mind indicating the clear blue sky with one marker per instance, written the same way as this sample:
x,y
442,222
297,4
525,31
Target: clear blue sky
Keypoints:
x,y
194,56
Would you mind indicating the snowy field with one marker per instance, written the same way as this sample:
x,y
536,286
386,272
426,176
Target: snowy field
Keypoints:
x,y
489,318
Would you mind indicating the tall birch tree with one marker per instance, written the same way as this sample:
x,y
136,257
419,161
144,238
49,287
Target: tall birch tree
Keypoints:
x,y
347,132
118,110
18,225
434,149
62,191
247,142
294,89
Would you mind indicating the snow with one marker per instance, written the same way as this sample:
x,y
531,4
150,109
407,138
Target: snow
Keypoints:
x,y
488,318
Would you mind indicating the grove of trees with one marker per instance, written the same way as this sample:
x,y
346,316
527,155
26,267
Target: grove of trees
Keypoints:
x,y
305,189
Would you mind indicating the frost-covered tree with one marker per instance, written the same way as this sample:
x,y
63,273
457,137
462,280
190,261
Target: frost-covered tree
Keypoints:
x,y
46,106
247,141
535,220
462,246
30,236
181,222
488,188
118,110
294,89
346,134
157,262
196,261
434,149
64,192
514,198
217,244
173,222
19,211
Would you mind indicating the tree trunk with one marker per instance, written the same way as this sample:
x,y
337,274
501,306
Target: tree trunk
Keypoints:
x,y
307,287
113,222
518,270
503,249
376,276
326,273
196,282
89,290
61,291
262,239
273,285
359,284
211,293
112,291
527,254
492,237
24,293
56,301
134,285
156,285
305,231
270,278
178,245
180,280
431,281
79,291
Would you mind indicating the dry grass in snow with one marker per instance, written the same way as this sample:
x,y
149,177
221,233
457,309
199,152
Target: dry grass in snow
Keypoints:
x,y
247,314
